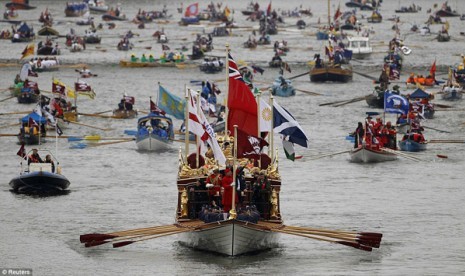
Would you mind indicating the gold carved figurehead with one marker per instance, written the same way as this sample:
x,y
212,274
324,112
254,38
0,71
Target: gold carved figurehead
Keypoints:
x,y
185,171
272,172
184,201
274,204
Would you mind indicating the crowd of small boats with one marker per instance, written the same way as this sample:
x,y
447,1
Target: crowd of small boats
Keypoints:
x,y
213,182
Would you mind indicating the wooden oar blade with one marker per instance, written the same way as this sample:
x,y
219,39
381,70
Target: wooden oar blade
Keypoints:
x,y
95,243
95,237
123,243
78,146
356,245
373,234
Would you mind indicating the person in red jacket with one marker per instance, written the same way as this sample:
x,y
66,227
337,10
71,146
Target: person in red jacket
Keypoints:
x,y
228,191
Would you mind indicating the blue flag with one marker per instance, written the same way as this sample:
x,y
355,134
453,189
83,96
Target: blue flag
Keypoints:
x,y
284,123
394,103
171,104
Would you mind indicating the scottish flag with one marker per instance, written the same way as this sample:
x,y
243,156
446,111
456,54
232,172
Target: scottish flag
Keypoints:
x,y
170,103
394,103
285,124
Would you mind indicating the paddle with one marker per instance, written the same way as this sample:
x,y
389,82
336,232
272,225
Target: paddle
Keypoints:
x,y
450,141
15,124
365,75
351,101
95,138
327,155
300,75
5,89
309,92
7,98
17,112
7,134
98,115
401,154
432,128
443,105
81,124
84,145
103,112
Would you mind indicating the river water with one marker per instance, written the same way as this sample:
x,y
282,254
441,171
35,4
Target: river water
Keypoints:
x,y
418,206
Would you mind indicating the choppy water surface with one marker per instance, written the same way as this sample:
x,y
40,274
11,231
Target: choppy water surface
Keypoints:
x,y
418,206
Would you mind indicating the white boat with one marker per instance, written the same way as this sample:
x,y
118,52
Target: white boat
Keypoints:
x,y
154,132
364,154
360,46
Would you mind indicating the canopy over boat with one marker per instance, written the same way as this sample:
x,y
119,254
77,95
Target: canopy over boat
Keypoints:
x,y
36,117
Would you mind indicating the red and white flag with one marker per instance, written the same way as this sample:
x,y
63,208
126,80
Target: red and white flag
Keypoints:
x,y
199,125
192,10
82,86
154,108
22,151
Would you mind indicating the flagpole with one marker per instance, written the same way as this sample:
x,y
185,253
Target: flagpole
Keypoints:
x,y
158,95
270,150
258,117
197,136
226,109
186,123
56,139
232,212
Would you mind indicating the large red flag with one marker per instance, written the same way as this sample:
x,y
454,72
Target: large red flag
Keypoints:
x,y
338,12
241,102
154,108
268,10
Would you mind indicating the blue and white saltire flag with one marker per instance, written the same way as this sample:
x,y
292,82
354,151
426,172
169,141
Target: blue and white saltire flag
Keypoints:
x,y
394,103
285,124
171,103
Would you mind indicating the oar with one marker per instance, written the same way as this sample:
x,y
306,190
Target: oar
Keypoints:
x,y
17,112
432,128
15,124
450,141
365,75
81,124
298,76
351,101
7,134
332,240
331,103
110,143
7,98
98,115
106,111
401,154
309,92
130,132
95,138
443,105
124,243
5,89
327,155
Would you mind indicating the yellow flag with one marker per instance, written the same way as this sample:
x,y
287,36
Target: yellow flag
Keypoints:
x,y
70,92
29,50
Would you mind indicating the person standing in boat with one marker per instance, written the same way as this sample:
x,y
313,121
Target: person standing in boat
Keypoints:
x,y
215,184
226,183
34,157
48,159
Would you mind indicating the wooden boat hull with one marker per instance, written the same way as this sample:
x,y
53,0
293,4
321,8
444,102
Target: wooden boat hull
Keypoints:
x,y
336,74
375,101
210,69
453,95
38,182
444,13
230,237
412,146
152,142
75,13
47,51
19,6
137,64
374,19
27,97
365,155
124,114
45,31
30,139
108,17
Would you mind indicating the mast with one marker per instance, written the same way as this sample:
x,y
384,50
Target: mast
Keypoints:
x,y
186,123
329,13
227,93
232,212
197,143
270,150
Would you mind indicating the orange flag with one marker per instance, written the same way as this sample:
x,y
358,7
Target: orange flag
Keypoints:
x,y
29,50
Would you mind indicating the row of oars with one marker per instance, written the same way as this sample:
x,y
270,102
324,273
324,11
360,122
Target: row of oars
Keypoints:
x,y
448,141
360,240
402,154
123,238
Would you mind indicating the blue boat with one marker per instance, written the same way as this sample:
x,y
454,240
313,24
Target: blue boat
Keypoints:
x,y
412,146
189,20
27,95
76,9
282,87
30,134
154,132
39,178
